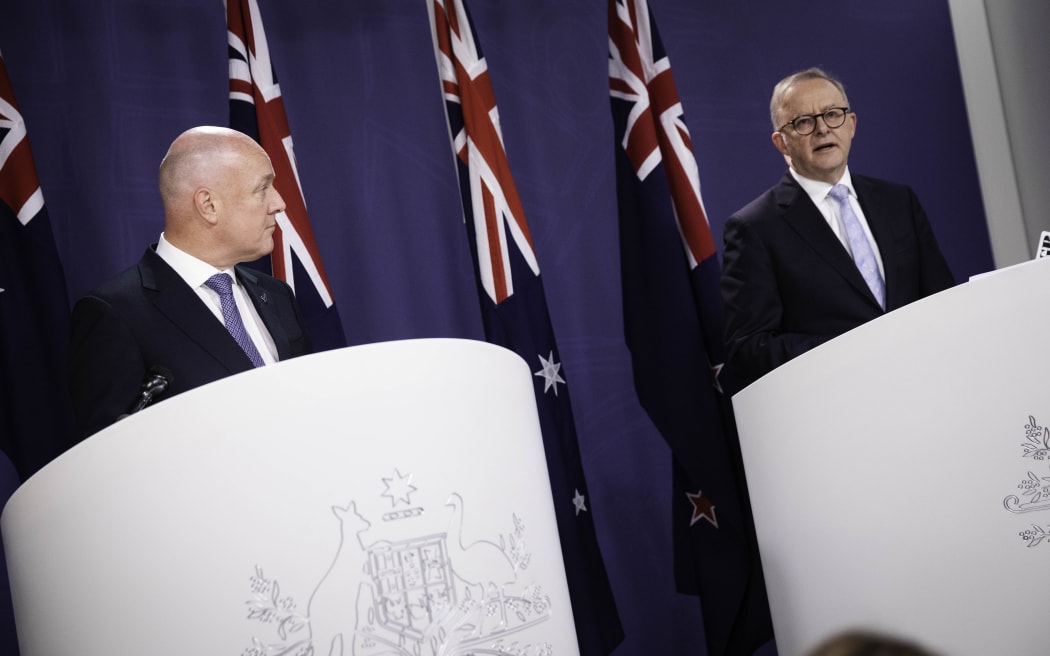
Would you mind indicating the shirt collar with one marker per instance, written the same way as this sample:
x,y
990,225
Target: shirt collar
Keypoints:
x,y
191,269
817,190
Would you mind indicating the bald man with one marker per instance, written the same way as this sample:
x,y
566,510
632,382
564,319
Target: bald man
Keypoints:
x,y
165,313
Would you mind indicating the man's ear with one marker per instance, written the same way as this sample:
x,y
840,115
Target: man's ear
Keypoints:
x,y
206,204
778,142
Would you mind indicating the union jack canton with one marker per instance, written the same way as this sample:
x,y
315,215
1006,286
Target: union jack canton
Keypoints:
x,y
514,308
257,109
673,325
36,424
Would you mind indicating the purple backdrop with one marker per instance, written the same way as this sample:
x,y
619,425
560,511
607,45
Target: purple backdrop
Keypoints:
x,y
105,85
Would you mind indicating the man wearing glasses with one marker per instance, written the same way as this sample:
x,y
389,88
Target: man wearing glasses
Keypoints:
x,y
823,251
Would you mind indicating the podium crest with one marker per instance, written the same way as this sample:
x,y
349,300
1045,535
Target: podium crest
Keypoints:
x,y
410,581
1035,488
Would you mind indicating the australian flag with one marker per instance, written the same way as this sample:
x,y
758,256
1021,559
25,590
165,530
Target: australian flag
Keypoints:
x,y
256,109
514,309
673,325
35,412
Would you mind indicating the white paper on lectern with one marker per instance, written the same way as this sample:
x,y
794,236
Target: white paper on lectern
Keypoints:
x,y
900,474
382,499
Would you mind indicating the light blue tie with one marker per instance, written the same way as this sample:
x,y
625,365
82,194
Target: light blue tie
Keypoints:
x,y
863,255
222,283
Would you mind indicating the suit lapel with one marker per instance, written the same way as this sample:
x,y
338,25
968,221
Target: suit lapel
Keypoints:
x,y
183,308
880,219
267,309
802,215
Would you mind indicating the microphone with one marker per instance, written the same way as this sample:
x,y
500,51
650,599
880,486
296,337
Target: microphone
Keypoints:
x,y
156,381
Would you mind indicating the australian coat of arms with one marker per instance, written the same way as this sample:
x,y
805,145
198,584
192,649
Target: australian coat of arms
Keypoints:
x,y
410,581
1034,489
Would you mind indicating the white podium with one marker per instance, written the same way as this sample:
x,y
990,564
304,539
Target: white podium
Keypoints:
x,y
383,499
900,474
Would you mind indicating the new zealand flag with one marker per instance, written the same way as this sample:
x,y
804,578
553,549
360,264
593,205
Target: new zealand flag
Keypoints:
x,y
673,325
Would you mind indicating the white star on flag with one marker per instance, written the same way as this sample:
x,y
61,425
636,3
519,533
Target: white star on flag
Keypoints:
x,y
580,502
549,373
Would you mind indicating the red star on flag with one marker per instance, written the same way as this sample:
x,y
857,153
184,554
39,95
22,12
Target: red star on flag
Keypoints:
x,y
716,371
702,508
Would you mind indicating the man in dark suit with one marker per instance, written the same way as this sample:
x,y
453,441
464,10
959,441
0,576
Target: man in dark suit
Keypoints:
x,y
823,251
220,210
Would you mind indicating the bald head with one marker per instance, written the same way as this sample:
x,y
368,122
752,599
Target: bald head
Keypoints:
x,y
199,156
219,200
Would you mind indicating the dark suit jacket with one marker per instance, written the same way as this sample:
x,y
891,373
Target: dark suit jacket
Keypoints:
x,y
148,316
789,284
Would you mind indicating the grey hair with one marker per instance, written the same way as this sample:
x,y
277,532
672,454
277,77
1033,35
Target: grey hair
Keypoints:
x,y
782,87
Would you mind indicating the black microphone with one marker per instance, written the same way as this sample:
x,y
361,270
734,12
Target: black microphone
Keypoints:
x,y
156,381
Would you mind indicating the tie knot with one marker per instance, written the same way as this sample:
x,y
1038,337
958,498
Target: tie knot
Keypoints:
x,y
839,192
221,283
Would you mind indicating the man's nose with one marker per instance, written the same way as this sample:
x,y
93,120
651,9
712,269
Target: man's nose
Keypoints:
x,y
277,203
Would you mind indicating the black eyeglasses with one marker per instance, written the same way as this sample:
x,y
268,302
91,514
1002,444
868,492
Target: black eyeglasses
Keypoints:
x,y
805,124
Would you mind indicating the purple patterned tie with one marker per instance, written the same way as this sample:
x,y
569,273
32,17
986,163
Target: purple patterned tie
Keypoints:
x,y
859,245
222,283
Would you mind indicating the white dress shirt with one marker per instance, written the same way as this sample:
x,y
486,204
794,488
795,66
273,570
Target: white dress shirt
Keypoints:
x,y
195,272
829,208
